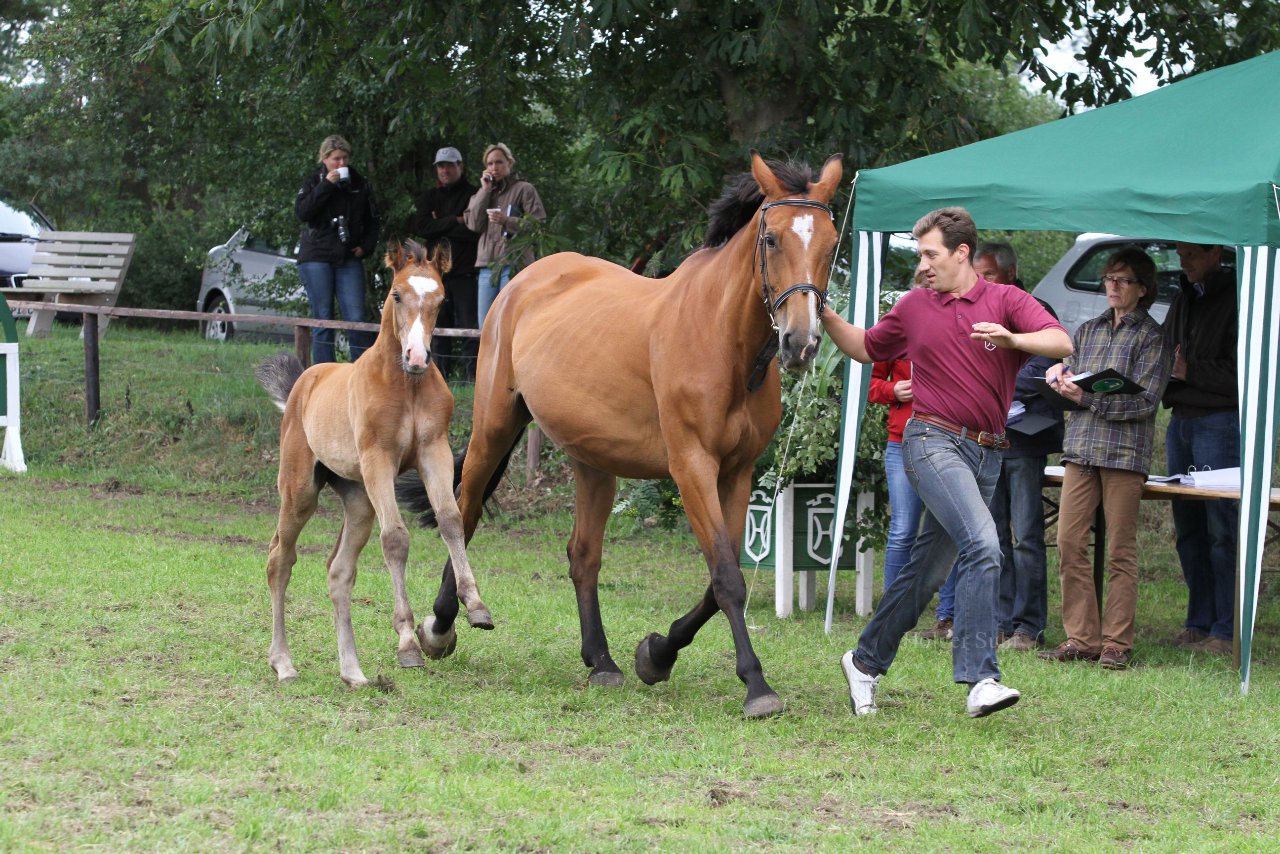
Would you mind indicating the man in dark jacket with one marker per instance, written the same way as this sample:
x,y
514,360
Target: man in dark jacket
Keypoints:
x,y
1204,432
440,211
1016,506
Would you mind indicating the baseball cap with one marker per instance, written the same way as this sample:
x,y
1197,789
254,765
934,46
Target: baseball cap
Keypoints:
x,y
448,154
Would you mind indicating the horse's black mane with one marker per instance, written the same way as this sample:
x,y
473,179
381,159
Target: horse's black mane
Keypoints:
x,y
742,197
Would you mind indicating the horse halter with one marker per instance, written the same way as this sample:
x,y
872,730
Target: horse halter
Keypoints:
x,y
770,347
771,306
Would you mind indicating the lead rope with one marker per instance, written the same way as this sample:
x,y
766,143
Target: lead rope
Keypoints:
x,y
804,383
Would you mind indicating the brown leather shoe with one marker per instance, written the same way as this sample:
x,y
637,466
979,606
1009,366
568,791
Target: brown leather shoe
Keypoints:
x,y
941,631
1213,646
1186,637
1069,650
1020,641
1115,658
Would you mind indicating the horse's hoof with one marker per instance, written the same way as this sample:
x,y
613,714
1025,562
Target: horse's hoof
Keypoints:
x,y
355,683
606,678
479,618
650,673
764,706
437,646
284,671
410,658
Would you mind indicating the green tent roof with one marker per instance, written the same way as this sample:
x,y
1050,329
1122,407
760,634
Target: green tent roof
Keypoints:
x,y
1197,160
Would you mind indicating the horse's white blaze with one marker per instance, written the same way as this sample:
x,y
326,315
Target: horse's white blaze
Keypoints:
x,y
803,227
416,341
424,285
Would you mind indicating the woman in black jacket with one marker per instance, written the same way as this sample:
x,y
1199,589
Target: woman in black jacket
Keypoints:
x,y
336,204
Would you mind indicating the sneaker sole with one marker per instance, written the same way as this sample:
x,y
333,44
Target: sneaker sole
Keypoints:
x,y
983,711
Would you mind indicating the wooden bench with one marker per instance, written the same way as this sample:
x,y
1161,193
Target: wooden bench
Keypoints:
x,y
84,267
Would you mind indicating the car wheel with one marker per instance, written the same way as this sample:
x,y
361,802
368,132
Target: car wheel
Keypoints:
x,y
218,330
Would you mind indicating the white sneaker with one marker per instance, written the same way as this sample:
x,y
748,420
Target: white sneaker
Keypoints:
x,y
862,688
990,696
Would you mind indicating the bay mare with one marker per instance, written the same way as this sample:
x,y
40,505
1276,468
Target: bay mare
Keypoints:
x,y
642,378
355,427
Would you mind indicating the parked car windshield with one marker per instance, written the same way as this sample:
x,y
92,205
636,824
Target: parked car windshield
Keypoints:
x,y
17,219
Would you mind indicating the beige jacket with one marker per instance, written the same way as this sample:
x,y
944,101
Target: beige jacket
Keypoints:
x,y
520,202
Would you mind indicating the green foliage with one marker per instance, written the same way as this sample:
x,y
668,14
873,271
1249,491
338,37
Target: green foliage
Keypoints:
x,y
652,503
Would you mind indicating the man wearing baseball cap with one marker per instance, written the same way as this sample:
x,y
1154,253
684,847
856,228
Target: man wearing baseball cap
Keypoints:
x,y
439,218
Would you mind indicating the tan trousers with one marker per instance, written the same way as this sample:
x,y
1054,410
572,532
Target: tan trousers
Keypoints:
x,y
1121,495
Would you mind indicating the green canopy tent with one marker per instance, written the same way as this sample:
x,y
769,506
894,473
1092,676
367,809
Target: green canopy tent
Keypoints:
x,y
1196,161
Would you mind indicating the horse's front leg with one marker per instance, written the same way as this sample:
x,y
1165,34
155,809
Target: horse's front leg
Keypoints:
x,y
713,503
379,482
435,466
594,500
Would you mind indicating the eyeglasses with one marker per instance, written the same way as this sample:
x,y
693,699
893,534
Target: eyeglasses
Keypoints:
x,y
1119,280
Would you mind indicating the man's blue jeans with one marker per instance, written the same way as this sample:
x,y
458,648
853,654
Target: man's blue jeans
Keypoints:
x,y
954,478
1207,531
489,285
324,281
905,510
1018,511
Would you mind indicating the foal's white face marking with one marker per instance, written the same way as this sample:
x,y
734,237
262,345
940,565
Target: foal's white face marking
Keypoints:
x,y
423,285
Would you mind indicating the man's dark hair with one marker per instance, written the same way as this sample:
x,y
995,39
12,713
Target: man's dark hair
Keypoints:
x,y
955,224
1144,270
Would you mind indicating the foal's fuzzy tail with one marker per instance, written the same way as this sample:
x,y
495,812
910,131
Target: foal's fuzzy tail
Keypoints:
x,y
278,374
411,492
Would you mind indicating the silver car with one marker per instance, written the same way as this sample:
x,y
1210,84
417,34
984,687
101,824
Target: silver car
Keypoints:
x,y
247,275
1073,286
20,227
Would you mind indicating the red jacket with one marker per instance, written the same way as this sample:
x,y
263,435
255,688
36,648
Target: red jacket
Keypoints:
x,y
883,377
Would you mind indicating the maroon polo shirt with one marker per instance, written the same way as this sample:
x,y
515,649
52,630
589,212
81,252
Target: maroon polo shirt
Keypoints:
x,y
954,376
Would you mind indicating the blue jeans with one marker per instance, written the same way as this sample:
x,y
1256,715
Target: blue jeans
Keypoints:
x,y
905,510
1206,530
323,281
954,478
1018,511
490,284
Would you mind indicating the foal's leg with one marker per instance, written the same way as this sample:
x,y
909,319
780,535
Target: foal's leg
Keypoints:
x,y
379,483
298,493
595,494
357,524
701,492
435,465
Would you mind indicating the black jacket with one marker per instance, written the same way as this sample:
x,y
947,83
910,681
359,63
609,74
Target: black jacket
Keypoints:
x,y
1206,328
319,201
439,212
1049,440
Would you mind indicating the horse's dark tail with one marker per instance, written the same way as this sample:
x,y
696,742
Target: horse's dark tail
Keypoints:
x,y
278,374
411,492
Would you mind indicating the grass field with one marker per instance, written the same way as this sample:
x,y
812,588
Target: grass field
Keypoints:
x,y
137,710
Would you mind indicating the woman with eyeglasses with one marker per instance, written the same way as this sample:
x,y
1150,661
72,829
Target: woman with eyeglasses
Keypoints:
x,y
1107,454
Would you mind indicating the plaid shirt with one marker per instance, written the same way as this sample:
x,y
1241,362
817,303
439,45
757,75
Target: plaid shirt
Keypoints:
x,y
1118,431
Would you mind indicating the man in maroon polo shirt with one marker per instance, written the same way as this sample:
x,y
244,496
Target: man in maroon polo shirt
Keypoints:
x,y
966,339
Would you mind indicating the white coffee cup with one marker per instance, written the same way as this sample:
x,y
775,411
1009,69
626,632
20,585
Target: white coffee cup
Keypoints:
x,y
344,173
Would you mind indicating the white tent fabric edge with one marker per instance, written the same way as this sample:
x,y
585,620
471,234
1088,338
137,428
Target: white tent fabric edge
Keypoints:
x,y
863,310
1259,280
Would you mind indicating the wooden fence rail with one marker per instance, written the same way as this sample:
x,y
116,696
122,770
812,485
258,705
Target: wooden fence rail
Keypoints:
x,y
302,327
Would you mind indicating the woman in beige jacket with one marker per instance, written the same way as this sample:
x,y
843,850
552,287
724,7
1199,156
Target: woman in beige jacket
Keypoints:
x,y
502,207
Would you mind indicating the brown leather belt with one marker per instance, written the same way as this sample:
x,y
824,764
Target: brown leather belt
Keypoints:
x,y
983,438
